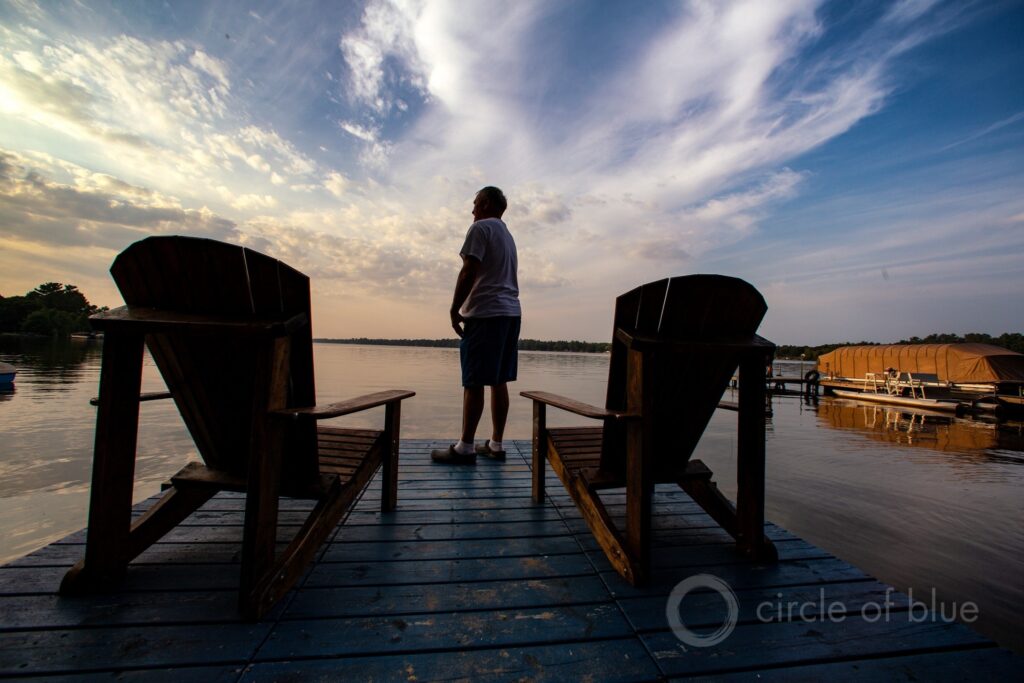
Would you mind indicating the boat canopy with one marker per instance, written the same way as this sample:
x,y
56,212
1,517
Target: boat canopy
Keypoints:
x,y
958,363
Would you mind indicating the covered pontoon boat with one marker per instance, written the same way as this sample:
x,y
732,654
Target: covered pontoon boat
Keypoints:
x,y
975,374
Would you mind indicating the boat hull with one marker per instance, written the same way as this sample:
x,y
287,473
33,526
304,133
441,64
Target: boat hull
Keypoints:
x,y
7,373
889,399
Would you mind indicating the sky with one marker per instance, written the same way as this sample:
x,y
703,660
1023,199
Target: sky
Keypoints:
x,y
860,163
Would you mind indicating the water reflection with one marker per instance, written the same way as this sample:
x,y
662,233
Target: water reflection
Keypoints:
x,y
975,438
50,363
344,371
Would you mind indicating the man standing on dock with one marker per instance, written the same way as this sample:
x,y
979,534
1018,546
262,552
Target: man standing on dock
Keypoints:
x,y
486,315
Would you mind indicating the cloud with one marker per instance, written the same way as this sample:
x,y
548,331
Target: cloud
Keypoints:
x,y
162,111
361,264
534,209
294,161
96,211
375,152
336,184
363,133
212,67
251,201
538,273
1008,121
384,34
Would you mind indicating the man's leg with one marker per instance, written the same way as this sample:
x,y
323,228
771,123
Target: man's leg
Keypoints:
x,y
472,409
499,410
463,452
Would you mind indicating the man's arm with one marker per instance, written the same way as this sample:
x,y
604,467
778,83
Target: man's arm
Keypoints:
x,y
463,286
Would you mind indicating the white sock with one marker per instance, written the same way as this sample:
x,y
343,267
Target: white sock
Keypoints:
x,y
463,448
495,445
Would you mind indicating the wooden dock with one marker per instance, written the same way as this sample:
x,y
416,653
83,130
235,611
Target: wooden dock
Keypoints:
x,y
469,579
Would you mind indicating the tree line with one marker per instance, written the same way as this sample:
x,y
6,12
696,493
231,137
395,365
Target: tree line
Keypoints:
x,y
1014,341
51,309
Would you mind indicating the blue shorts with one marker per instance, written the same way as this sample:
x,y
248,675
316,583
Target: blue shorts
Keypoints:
x,y
489,351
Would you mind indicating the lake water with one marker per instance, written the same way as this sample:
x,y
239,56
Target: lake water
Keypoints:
x,y
921,502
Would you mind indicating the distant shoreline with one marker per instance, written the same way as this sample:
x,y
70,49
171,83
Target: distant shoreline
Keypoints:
x,y
572,346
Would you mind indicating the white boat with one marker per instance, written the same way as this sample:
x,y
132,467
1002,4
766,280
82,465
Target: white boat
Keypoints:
x,y
895,400
7,373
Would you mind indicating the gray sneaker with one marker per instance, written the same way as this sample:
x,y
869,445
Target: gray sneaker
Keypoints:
x,y
450,456
485,450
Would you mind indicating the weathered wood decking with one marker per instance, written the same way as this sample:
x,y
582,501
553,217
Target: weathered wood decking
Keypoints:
x,y
467,579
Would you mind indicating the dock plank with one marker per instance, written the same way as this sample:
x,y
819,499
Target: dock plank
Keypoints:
x,y
447,571
951,666
368,551
415,599
442,631
94,649
613,661
759,645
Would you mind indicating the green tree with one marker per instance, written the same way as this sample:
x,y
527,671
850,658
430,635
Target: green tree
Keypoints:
x,y
13,311
49,322
17,313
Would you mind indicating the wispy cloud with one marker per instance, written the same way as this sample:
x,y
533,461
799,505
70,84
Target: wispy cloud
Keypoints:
x,y
998,125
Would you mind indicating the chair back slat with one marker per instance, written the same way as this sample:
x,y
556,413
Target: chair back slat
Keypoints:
x,y
212,377
626,308
683,388
652,302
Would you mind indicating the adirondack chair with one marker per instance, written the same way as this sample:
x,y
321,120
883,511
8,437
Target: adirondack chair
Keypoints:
x,y
229,330
676,344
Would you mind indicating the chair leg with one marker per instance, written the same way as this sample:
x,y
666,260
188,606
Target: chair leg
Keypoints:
x,y
639,494
260,535
389,468
705,493
641,381
699,486
604,530
331,507
750,467
540,445
113,468
264,470
273,583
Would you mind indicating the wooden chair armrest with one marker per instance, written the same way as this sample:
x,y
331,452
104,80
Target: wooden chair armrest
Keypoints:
x,y
152,320
573,406
352,405
152,396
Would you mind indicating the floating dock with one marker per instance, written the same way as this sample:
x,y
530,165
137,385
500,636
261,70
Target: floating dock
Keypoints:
x,y
469,580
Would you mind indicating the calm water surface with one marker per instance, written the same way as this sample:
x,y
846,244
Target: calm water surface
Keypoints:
x,y
918,501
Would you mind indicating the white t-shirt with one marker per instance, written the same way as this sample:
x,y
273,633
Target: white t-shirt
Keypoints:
x,y
496,291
